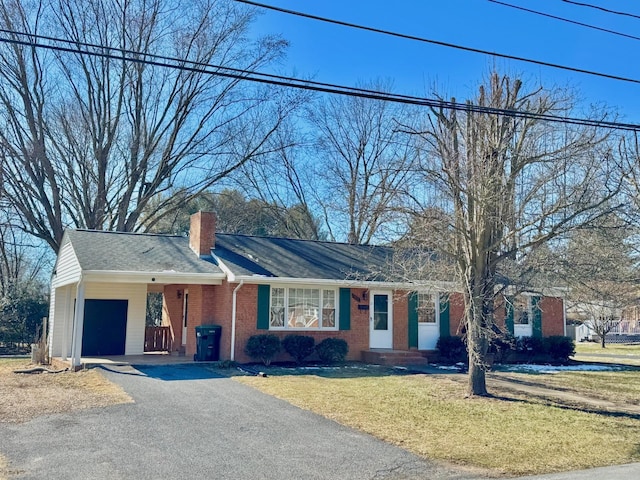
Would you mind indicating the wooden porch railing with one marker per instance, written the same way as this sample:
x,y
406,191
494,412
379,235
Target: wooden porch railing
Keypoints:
x,y
157,339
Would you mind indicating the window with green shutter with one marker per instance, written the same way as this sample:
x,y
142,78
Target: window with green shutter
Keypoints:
x,y
303,308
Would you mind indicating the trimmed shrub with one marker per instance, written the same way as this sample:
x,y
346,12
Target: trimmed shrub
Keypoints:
x,y
263,347
503,346
332,350
452,348
298,346
531,346
560,348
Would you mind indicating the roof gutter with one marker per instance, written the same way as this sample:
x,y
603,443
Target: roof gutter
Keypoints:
x,y
353,283
159,277
233,319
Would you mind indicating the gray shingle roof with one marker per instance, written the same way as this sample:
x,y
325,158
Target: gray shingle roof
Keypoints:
x,y
289,258
244,255
136,252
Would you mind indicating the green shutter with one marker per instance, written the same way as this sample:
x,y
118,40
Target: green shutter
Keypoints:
x,y
344,320
508,312
536,326
444,316
264,292
413,320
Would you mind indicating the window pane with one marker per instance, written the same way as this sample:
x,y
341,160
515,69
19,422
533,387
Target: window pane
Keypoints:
x,y
276,317
380,312
521,310
304,308
328,309
426,308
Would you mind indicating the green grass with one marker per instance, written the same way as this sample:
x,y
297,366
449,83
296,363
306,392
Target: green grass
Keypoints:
x,y
627,354
430,416
611,348
621,387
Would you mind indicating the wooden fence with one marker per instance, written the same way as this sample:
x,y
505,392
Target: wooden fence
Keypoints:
x,y
157,339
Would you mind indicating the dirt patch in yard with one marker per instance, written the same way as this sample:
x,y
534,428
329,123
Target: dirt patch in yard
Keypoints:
x,y
26,396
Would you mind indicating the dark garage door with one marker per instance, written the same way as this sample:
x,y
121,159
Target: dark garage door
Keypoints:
x,y
105,327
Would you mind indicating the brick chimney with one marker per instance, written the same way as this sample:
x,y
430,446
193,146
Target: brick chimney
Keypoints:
x,y
202,233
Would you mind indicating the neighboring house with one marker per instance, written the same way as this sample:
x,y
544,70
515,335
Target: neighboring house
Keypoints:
x,y
251,285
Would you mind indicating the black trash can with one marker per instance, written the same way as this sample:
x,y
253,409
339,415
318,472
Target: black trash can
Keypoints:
x,y
207,343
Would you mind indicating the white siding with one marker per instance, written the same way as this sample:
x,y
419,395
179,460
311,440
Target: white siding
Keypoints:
x,y
51,334
67,267
61,317
136,294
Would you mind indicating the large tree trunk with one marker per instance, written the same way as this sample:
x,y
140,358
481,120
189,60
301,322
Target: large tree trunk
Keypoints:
x,y
478,326
477,380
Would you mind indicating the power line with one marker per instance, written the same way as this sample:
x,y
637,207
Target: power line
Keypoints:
x,y
574,22
438,42
597,7
291,82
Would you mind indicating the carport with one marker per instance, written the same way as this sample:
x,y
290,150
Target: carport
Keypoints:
x,y
99,296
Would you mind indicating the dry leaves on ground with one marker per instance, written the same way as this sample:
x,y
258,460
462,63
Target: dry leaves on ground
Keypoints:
x,y
25,396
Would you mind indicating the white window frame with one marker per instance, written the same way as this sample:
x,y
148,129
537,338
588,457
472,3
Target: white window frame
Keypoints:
x,y
529,310
435,303
321,289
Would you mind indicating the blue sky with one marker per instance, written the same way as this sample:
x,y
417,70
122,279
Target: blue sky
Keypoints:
x,y
337,54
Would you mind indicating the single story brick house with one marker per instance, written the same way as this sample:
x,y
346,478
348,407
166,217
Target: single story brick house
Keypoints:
x,y
250,285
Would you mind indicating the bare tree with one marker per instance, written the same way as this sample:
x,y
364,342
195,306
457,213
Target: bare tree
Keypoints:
x,y
23,293
363,163
601,271
285,182
89,140
510,185
239,215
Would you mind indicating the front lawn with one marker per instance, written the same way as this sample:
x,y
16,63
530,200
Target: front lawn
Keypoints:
x,y
509,434
611,348
627,354
623,387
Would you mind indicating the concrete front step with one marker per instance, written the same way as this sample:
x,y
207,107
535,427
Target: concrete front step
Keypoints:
x,y
394,357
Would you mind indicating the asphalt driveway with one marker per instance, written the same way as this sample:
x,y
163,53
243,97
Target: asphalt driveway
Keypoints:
x,y
188,423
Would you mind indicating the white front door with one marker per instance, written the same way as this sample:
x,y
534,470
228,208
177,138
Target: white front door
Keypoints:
x,y
381,320
185,315
428,321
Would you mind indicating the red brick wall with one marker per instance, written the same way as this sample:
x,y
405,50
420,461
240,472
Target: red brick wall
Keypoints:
x,y
500,311
208,304
456,312
172,313
552,316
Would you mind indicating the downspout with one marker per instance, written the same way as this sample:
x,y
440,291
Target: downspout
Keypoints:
x,y
564,316
233,319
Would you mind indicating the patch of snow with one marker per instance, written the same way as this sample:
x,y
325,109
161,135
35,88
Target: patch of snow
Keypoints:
x,y
560,368
446,367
